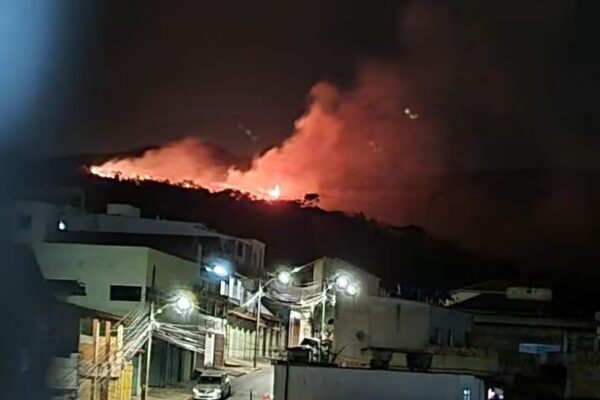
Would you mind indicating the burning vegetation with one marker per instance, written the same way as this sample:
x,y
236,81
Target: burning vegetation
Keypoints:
x,y
353,148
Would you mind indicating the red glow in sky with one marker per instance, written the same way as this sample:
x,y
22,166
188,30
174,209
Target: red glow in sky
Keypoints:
x,y
356,148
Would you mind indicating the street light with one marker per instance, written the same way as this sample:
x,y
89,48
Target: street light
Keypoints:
x,y
342,282
183,302
284,277
351,289
220,271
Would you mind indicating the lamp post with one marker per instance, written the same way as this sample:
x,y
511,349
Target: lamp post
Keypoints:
x,y
183,304
285,278
148,353
323,305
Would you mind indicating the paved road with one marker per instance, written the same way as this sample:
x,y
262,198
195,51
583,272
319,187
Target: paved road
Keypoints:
x,y
260,382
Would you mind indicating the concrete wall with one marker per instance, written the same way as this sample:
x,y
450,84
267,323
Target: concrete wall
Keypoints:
x,y
239,342
98,267
480,362
352,319
307,382
44,221
583,377
450,327
172,273
398,324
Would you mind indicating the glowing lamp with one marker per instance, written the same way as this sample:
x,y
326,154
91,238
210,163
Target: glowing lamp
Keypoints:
x,y
284,277
220,270
342,282
184,304
351,289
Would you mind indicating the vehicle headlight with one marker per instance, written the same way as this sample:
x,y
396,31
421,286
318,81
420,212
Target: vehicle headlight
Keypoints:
x,y
196,392
217,391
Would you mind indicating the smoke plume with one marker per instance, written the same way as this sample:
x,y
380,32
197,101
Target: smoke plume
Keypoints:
x,y
463,132
356,148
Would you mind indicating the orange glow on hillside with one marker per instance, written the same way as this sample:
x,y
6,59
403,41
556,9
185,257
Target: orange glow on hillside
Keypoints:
x,y
356,149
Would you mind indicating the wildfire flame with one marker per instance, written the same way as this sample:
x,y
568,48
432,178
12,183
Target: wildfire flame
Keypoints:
x,y
275,193
353,149
188,164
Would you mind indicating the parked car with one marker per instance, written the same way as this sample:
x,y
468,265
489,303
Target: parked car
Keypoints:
x,y
212,386
308,351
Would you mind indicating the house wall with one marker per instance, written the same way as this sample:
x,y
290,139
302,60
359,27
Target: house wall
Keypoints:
x,y
239,342
398,324
44,221
480,362
502,335
351,318
100,266
328,268
583,377
309,382
450,327
172,273
97,267
250,258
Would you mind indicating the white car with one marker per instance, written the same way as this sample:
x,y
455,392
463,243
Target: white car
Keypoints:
x,y
212,386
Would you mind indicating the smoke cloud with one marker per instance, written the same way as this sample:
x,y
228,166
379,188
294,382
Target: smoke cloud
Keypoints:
x,y
465,132
356,148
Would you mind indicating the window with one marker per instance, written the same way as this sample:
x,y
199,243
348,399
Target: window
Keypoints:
x,y
436,336
125,293
240,250
24,222
228,246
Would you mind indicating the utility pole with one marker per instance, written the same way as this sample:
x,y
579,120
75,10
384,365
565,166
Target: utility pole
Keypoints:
x,y
323,305
148,353
257,334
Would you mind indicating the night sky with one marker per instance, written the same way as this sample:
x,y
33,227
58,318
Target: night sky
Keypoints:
x,y
518,76
507,88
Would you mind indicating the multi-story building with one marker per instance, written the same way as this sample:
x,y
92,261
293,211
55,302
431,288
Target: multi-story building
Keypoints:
x,y
121,260
543,347
119,280
43,222
321,275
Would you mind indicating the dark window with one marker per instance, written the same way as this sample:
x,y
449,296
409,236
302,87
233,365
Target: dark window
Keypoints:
x,y
66,287
435,339
228,246
24,222
125,293
240,250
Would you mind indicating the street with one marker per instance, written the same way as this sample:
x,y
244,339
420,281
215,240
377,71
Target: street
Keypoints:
x,y
259,382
